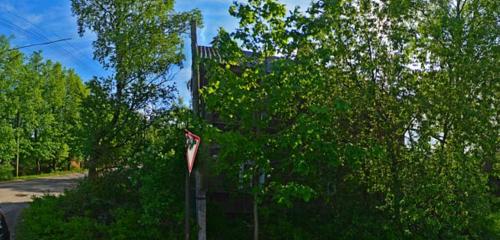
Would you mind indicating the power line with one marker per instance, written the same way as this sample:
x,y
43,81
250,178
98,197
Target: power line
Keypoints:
x,y
40,35
14,27
38,27
40,44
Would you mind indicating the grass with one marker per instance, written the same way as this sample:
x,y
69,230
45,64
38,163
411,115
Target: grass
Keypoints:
x,y
51,174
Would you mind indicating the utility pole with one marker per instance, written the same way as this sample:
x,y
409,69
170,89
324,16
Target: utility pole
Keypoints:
x,y
195,77
201,205
18,116
17,155
200,193
186,213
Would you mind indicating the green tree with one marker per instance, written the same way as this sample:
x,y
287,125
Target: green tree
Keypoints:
x,y
10,61
41,101
244,95
140,41
71,114
369,109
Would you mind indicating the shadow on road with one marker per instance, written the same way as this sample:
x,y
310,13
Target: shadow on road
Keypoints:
x,y
39,185
12,212
17,195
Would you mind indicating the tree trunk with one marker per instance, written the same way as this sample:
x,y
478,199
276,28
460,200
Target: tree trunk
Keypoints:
x,y
92,171
92,161
91,165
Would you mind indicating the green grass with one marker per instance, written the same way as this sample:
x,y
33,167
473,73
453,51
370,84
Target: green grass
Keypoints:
x,y
51,174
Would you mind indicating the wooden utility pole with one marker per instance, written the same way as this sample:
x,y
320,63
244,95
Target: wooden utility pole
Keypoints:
x,y
201,206
195,77
200,193
18,138
17,154
186,212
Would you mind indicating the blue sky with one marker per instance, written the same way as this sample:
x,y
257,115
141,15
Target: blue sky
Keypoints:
x,y
30,21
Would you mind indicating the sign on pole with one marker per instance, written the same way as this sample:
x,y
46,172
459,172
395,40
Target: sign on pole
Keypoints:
x,y
192,144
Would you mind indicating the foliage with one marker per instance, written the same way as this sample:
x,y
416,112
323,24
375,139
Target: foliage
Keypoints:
x,y
40,102
132,133
140,41
44,219
378,112
132,202
6,171
349,120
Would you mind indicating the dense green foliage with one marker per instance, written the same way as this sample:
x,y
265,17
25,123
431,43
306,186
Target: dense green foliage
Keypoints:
x,y
132,132
40,113
375,122
351,120
140,41
138,201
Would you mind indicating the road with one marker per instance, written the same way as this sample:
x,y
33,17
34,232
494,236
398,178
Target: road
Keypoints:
x,y
16,195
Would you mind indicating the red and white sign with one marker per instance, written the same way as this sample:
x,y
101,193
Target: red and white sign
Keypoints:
x,y
192,144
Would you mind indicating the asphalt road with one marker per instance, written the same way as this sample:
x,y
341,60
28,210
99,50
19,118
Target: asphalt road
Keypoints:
x,y
16,195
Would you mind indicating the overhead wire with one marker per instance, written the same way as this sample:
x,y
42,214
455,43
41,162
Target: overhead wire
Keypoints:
x,y
38,27
41,36
34,44
40,44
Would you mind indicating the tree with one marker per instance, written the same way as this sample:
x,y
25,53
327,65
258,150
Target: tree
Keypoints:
x,y
366,111
245,100
10,61
140,41
71,114
33,93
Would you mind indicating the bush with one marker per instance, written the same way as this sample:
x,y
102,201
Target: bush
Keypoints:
x,y
131,202
45,219
86,212
6,171
493,221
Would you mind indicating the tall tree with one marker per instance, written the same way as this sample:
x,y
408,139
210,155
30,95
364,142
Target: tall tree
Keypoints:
x,y
33,93
243,95
10,63
368,108
71,114
140,41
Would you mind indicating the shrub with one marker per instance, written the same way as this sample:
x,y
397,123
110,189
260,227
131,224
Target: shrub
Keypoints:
x,y
6,171
131,202
46,220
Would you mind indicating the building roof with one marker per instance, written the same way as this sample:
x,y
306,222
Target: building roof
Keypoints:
x,y
208,52
205,52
